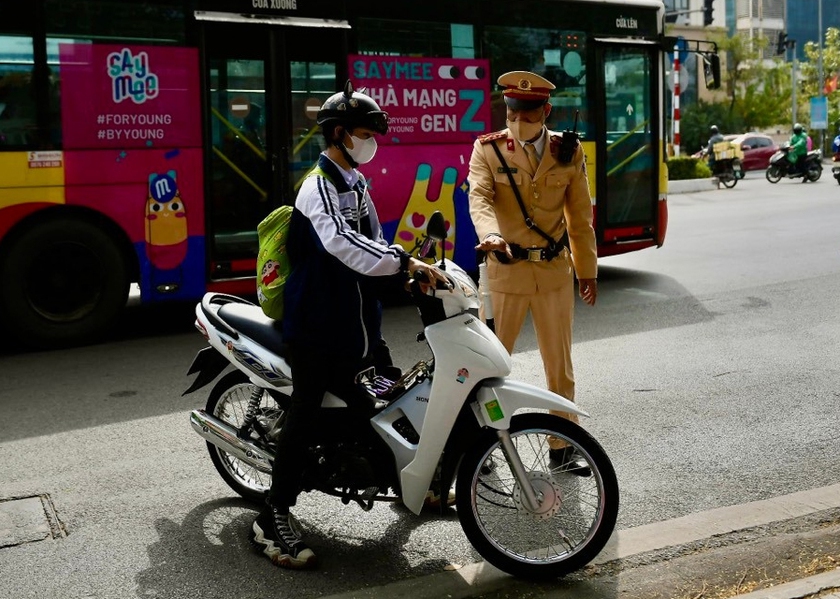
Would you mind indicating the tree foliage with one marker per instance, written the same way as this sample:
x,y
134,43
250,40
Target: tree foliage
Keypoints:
x,y
757,91
809,83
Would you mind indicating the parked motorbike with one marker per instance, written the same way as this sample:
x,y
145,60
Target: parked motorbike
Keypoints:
x,y
835,170
781,167
454,416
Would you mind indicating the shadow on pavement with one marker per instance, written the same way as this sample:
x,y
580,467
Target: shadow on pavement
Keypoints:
x,y
208,555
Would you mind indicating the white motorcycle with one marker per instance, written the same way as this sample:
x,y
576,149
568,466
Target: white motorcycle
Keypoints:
x,y
455,416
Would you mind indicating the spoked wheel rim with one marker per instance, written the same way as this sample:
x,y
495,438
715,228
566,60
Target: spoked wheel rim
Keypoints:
x,y
231,408
565,521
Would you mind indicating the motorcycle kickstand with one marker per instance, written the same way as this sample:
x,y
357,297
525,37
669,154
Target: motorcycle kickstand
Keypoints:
x,y
364,499
515,462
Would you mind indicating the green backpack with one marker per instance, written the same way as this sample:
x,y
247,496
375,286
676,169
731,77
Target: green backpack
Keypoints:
x,y
272,260
273,265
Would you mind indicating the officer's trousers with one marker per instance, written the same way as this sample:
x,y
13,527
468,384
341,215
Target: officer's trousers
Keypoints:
x,y
553,314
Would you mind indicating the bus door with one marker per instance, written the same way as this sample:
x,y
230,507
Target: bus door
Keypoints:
x,y
627,198
263,86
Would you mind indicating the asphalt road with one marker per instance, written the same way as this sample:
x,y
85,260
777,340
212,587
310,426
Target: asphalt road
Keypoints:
x,y
709,368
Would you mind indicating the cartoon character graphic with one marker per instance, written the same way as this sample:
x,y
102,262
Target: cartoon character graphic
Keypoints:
x,y
420,207
166,222
463,375
270,272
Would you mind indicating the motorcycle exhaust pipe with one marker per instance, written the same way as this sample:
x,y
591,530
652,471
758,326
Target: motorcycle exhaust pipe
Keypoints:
x,y
224,436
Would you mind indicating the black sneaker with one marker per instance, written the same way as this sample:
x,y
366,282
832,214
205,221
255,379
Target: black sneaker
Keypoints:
x,y
567,459
278,537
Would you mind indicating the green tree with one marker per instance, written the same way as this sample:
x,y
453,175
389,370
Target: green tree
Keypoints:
x,y
696,120
758,89
809,84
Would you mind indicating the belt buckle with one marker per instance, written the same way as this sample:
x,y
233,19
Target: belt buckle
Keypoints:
x,y
535,254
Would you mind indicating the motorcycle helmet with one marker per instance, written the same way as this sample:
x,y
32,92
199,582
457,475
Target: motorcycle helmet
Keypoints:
x,y
714,130
797,128
352,109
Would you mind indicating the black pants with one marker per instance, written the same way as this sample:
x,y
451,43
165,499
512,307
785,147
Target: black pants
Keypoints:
x,y
313,373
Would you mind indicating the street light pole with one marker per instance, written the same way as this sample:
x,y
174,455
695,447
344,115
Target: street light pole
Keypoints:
x,y
820,81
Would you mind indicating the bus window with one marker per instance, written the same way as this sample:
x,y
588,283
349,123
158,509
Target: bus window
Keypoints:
x,y
631,154
240,172
18,115
312,84
557,55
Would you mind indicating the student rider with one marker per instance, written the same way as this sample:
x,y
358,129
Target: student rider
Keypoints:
x,y
332,315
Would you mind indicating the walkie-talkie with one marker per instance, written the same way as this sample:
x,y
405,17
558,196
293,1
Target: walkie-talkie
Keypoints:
x,y
569,143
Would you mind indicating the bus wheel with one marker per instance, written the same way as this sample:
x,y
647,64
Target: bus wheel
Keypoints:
x,y
64,283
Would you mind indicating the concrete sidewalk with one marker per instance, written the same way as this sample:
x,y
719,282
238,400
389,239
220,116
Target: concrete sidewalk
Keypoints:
x,y
710,555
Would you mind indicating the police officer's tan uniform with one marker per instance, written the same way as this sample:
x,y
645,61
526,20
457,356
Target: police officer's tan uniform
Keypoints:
x,y
556,197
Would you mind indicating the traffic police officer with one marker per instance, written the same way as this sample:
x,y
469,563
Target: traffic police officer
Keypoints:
x,y
525,270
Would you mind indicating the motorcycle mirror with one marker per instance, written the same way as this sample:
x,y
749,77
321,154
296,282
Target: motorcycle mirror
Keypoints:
x,y
436,229
427,249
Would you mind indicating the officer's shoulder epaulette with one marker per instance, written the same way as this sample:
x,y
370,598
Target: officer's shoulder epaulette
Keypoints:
x,y
488,137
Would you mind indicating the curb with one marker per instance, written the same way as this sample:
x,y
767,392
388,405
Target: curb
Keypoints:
x,y
480,578
692,185
799,589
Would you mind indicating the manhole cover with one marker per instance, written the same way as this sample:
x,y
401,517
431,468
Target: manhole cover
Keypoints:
x,y
28,519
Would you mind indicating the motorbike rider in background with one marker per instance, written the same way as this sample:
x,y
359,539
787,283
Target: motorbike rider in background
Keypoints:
x,y
332,314
710,148
798,148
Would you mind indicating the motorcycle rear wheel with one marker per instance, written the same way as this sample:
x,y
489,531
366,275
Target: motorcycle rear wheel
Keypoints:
x,y
228,401
576,515
773,174
814,172
729,180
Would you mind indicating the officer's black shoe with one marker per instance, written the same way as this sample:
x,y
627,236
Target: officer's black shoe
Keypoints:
x,y
567,460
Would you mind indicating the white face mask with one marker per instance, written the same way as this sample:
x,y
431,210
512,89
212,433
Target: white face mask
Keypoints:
x,y
363,150
523,130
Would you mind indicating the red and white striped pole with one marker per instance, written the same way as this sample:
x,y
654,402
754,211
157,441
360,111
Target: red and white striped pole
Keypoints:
x,y
676,101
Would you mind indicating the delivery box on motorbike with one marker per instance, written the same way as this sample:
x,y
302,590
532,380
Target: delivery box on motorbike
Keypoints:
x,y
725,150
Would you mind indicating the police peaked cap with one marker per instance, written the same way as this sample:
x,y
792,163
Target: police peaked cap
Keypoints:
x,y
524,90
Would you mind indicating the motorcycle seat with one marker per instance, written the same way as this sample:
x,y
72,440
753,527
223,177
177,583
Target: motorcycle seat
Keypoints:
x,y
252,322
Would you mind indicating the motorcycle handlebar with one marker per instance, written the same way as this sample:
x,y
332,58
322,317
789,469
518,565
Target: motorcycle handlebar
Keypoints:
x,y
422,277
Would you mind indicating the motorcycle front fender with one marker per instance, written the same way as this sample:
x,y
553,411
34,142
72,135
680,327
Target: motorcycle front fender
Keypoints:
x,y
498,399
209,364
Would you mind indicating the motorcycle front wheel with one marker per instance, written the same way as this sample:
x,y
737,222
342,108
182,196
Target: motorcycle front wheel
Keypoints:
x,y
773,174
576,514
228,401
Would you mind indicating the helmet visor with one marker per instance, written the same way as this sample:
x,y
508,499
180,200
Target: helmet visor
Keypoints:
x,y
376,121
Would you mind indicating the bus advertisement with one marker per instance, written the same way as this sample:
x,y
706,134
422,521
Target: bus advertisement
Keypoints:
x,y
143,142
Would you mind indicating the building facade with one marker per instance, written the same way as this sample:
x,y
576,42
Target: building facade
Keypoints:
x,y
769,18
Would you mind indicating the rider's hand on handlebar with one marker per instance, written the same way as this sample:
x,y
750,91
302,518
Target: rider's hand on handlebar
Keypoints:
x,y
426,275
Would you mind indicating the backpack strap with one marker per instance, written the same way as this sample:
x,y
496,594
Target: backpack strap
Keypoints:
x,y
326,169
